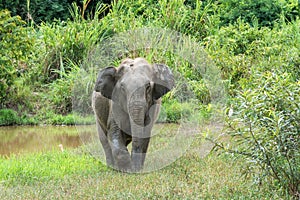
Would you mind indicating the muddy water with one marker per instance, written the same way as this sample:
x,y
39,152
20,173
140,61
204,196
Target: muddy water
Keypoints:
x,y
27,139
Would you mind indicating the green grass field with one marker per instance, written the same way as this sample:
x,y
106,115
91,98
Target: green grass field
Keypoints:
x,y
72,174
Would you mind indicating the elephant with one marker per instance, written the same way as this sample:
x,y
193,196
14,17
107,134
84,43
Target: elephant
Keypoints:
x,y
126,102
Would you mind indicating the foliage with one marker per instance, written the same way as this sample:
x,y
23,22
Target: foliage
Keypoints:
x,y
200,90
176,15
38,11
265,128
63,47
70,119
21,96
239,50
60,95
264,13
194,21
8,117
173,111
16,47
67,43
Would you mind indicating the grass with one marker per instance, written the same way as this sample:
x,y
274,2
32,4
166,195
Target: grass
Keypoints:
x,y
74,175
188,178
70,119
10,117
43,167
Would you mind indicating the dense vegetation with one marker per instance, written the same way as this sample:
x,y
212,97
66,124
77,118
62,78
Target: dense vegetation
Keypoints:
x,y
255,45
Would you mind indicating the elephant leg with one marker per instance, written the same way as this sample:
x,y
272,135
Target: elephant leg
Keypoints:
x,y
122,160
139,149
105,145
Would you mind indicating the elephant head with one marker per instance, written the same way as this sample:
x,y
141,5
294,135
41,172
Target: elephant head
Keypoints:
x,y
135,88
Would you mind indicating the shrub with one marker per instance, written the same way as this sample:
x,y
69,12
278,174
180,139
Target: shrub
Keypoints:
x,y
70,119
174,111
21,96
196,19
8,117
60,91
39,11
185,19
233,48
68,42
260,12
265,127
240,37
16,49
240,50
200,91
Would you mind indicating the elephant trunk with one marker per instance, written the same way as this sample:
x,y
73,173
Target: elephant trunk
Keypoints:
x,y
139,136
137,119
137,114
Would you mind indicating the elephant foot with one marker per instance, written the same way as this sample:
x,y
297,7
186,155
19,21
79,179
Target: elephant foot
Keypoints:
x,y
122,160
109,162
137,161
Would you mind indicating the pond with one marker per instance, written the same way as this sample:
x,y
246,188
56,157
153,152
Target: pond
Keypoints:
x,y
25,139
28,139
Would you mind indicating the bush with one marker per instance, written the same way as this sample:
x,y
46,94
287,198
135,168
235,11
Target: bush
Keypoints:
x,y
8,117
60,91
16,49
196,19
260,12
200,90
233,49
70,119
173,111
265,127
39,11
240,50
68,42
21,97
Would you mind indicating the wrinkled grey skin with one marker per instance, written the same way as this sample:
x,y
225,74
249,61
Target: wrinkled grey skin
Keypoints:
x,y
126,103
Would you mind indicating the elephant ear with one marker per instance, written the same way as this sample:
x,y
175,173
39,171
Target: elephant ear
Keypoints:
x,y
106,81
163,80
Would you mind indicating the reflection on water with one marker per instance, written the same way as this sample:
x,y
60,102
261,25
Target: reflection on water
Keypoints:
x,y
168,141
25,139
